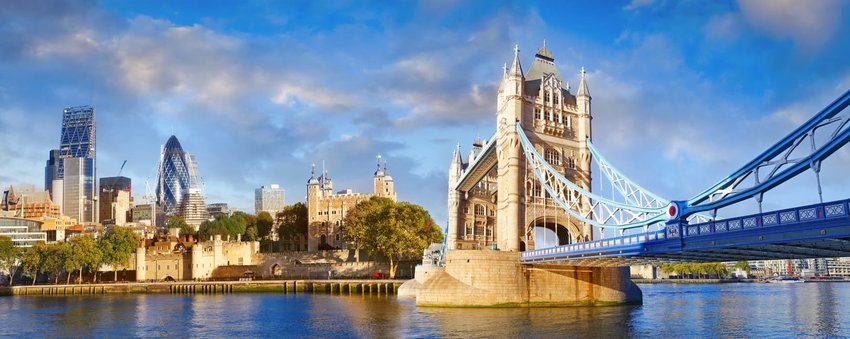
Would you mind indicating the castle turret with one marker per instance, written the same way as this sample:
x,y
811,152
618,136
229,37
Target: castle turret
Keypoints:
x,y
384,185
585,133
455,170
509,215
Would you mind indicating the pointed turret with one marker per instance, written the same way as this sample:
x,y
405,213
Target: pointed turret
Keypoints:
x,y
313,180
516,67
455,167
582,86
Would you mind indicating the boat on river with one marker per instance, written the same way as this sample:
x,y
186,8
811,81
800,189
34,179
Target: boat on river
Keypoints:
x,y
785,280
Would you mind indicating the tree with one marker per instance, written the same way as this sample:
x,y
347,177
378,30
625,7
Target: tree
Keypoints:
x,y
33,259
57,254
224,225
292,221
743,265
176,221
392,230
251,233
359,220
264,225
116,246
9,255
84,254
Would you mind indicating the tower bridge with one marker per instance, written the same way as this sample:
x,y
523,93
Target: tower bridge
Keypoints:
x,y
525,228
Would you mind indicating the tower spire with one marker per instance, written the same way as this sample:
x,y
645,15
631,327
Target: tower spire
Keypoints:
x,y
582,85
516,67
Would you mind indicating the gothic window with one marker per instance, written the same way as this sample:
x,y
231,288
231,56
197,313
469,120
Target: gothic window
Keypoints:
x,y
479,210
549,116
466,210
552,156
537,113
546,96
572,163
555,98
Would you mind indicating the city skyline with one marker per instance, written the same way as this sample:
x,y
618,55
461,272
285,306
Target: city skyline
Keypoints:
x,y
678,102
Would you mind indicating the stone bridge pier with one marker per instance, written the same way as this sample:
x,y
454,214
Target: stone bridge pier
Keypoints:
x,y
497,279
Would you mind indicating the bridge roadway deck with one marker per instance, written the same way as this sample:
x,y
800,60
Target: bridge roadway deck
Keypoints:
x,y
814,231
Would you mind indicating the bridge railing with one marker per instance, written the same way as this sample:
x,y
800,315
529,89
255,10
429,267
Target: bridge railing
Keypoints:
x,y
789,216
803,214
590,246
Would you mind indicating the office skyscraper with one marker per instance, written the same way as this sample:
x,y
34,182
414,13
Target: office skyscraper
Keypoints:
x,y
74,164
269,199
177,191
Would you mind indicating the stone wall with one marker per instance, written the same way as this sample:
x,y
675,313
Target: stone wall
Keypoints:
x,y
493,278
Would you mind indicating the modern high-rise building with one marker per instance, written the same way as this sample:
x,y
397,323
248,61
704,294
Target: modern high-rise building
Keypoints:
x,y
72,166
269,199
178,180
115,200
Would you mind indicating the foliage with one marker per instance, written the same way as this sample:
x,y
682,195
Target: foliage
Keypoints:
x,y
264,225
743,265
356,226
390,230
251,234
9,255
33,258
116,246
84,254
292,220
176,221
224,226
699,269
57,254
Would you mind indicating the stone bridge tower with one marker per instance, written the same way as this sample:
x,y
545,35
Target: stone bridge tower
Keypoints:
x,y
558,123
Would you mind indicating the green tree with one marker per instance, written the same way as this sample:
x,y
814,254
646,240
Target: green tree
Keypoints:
x,y
393,231
9,255
33,259
176,221
57,254
251,233
84,254
224,226
264,225
743,265
360,219
116,246
292,221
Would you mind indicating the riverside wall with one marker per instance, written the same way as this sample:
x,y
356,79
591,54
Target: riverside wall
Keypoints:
x,y
497,279
341,287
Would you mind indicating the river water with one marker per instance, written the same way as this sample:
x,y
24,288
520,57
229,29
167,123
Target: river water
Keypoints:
x,y
669,311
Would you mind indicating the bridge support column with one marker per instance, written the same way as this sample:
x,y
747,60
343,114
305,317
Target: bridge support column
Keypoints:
x,y
495,278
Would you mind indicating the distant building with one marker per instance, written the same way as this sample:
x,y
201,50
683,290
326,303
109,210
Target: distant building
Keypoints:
x,y
171,257
27,202
23,232
75,164
326,210
115,200
178,181
269,199
216,209
143,214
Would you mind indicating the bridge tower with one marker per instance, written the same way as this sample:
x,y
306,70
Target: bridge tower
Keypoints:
x,y
558,124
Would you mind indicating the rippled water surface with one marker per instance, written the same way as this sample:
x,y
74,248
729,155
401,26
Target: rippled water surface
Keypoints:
x,y
669,311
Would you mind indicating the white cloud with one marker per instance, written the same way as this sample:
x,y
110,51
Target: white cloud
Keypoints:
x,y
810,24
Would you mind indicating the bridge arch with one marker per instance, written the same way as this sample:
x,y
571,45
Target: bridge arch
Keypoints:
x,y
551,231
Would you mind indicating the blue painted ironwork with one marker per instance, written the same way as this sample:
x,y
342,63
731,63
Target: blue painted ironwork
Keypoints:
x,y
743,231
488,147
778,162
582,204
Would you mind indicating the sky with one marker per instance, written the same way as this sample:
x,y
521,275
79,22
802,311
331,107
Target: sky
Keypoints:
x,y
684,92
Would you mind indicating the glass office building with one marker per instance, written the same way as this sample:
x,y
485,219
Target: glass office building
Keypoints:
x,y
177,176
74,163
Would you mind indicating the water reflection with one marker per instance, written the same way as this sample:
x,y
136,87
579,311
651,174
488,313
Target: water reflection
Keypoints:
x,y
728,310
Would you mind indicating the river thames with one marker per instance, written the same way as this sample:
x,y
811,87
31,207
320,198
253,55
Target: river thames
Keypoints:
x,y
719,310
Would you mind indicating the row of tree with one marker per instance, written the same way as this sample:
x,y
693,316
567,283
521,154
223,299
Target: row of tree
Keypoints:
x,y
715,269
79,253
388,229
290,222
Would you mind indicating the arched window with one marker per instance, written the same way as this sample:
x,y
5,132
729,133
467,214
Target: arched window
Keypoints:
x,y
552,156
572,163
546,96
479,210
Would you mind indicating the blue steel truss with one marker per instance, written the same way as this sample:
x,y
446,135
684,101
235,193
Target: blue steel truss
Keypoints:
x,y
582,204
776,165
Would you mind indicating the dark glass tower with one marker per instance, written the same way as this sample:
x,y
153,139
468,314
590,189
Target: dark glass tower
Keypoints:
x,y
78,142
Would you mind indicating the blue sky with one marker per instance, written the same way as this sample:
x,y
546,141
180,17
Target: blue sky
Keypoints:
x,y
684,92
